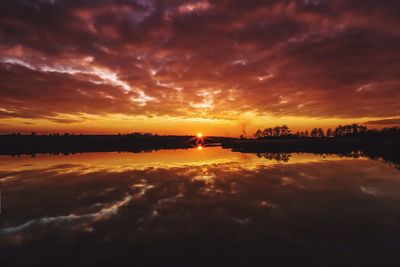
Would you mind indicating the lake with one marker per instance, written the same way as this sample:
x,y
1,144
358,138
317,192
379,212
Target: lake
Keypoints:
x,y
199,207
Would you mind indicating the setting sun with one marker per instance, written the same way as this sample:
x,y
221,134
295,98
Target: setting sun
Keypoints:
x,y
199,135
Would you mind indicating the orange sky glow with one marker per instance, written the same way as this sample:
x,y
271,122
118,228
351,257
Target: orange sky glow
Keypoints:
x,y
184,67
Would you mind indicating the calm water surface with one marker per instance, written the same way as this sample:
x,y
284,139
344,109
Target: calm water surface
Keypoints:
x,y
209,207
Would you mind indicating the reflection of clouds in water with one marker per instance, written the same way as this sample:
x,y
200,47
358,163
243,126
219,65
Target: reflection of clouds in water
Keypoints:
x,y
231,193
171,199
205,176
267,204
103,214
241,220
8,178
286,181
381,191
371,191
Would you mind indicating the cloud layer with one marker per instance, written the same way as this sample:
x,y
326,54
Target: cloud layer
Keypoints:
x,y
215,59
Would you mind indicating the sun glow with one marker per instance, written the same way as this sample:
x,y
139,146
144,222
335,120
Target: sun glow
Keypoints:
x,y
199,135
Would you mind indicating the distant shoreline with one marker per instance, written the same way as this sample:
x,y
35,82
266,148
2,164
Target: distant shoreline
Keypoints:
x,y
373,147
14,144
32,144
309,144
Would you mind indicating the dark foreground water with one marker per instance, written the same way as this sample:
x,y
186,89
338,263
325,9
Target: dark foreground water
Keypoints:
x,y
209,207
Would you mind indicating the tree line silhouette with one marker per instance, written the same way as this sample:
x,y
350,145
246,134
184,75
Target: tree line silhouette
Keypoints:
x,y
350,130
139,134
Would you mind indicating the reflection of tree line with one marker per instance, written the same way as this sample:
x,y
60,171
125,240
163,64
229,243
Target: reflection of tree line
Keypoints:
x,y
285,157
389,158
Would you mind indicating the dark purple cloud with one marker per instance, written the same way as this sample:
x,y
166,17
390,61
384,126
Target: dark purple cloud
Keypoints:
x,y
385,122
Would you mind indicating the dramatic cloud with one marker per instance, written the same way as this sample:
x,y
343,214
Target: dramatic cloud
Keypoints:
x,y
208,59
386,122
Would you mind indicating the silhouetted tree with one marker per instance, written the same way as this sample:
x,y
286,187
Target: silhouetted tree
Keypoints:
x,y
314,132
317,132
277,131
258,134
344,130
285,130
320,132
329,133
338,131
267,132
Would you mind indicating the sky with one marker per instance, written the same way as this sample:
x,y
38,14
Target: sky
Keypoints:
x,y
182,67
